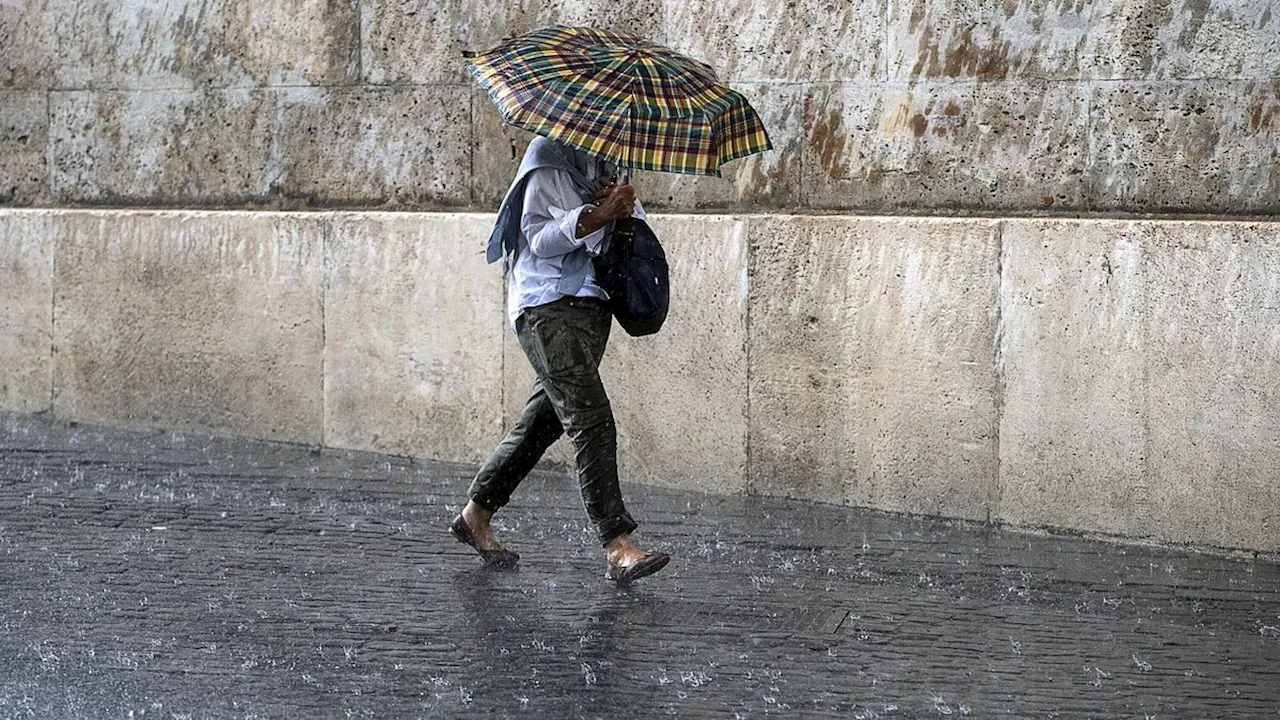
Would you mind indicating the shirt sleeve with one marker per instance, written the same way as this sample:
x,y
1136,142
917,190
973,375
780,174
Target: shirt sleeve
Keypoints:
x,y
550,218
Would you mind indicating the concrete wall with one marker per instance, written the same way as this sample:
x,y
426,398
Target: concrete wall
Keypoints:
x,y
907,106
1110,376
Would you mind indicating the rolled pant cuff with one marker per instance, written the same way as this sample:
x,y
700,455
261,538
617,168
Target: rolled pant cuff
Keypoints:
x,y
612,527
486,502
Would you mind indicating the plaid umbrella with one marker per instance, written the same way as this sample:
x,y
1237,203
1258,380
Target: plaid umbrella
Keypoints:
x,y
629,101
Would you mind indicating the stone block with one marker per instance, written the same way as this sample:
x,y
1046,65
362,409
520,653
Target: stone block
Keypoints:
x,y
1213,370
680,396
945,146
26,45
1208,146
28,42
988,40
161,146
870,362
423,42
68,44
24,134
800,41
389,147
413,345
497,149
191,320
26,310
1112,39
1206,39
1072,349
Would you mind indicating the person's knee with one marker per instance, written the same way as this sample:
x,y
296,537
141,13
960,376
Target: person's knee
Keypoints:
x,y
539,422
593,422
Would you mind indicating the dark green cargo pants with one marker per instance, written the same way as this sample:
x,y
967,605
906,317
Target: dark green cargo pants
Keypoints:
x,y
564,341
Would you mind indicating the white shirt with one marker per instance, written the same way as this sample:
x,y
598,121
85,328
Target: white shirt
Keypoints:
x,y
548,227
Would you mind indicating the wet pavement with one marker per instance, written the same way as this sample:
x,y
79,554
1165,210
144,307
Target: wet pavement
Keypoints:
x,y
172,575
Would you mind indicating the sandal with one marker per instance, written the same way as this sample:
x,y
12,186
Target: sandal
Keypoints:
x,y
462,533
646,565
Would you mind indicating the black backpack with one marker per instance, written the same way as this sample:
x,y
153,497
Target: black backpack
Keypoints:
x,y
633,271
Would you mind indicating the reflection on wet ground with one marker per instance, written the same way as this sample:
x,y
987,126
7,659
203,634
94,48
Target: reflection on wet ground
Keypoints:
x,y
175,575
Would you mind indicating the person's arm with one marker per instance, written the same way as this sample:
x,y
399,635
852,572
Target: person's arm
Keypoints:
x,y
556,222
552,211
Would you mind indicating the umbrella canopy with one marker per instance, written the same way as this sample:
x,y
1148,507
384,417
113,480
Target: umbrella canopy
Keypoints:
x,y
634,103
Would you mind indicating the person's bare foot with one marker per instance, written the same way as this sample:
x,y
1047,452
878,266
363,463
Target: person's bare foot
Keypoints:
x,y
477,518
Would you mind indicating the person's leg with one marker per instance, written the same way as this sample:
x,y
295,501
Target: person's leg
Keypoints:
x,y
565,343
535,430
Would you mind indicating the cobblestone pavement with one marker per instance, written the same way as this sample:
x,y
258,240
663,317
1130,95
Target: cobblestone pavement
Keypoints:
x,y
173,575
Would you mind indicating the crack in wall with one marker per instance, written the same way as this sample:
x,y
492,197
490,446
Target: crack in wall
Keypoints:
x,y
53,324
998,388
747,259
324,331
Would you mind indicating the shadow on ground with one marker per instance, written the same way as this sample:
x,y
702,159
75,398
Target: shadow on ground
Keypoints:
x,y
176,575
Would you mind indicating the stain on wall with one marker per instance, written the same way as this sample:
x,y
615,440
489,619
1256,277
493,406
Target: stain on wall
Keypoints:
x,y
827,140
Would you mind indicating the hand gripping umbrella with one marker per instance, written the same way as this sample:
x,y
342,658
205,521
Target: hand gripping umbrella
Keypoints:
x,y
631,102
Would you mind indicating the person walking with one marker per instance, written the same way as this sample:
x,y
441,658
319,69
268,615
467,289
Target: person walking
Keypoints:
x,y
557,214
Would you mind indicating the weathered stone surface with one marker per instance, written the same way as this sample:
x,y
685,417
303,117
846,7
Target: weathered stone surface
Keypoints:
x,y
190,320
1213,370
1073,445
26,46
1195,39
413,341
376,146
72,44
871,362
1023,106
1113,39
24,135
496,149
945,146
990,39
423,42
1210,145
161,146
799,41
1140,361
26,310
680,396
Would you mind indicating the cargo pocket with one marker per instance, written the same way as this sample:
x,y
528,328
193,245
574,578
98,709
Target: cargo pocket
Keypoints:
x,y
564,347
